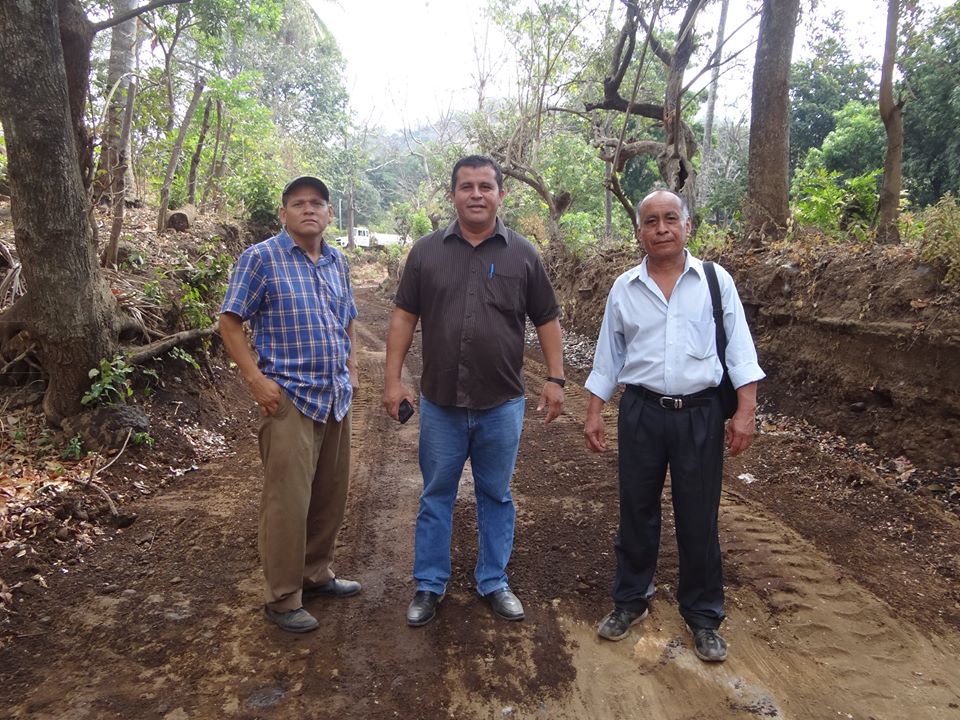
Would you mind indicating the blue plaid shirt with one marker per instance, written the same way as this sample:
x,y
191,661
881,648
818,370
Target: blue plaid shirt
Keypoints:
x,y
299,312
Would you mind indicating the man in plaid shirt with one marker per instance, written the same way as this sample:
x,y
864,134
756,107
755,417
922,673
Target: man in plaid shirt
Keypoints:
x,y
294,289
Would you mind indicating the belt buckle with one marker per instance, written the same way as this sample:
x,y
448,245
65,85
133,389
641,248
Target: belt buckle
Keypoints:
x,y
671,403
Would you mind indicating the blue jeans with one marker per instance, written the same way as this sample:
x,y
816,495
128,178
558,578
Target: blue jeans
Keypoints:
x,y
448,436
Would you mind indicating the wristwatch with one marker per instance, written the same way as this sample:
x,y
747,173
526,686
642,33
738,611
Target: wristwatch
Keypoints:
x,y
559,381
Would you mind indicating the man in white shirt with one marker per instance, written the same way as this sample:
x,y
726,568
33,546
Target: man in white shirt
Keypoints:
x,y
658,338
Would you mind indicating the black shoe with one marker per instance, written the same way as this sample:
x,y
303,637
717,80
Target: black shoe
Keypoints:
x,y
505,604
708,644
616,625
295,621
423,608
337,588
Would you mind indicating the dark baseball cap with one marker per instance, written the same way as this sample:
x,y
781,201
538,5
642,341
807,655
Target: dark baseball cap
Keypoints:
x,y
305,180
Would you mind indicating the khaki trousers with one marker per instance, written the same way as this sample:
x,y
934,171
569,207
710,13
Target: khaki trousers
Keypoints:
x,y
306,468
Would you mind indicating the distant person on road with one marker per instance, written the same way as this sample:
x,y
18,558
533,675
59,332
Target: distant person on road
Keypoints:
x,y
658,338
295,290
471,285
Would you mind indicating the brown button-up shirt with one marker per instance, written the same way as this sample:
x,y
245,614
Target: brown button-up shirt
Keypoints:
x,y
473,303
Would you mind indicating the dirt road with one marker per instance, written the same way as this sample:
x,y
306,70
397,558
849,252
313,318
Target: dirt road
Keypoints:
x,y
842,595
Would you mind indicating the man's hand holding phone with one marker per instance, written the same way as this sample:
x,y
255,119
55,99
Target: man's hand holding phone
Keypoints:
x,y
405,411
397,401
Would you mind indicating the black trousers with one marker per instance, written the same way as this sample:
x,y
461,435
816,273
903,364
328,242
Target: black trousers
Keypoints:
x,y
690,443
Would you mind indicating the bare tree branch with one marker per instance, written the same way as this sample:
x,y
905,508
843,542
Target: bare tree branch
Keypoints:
x,y
142,354
130,14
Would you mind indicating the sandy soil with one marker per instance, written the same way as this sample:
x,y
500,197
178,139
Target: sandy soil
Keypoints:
x,y
843,599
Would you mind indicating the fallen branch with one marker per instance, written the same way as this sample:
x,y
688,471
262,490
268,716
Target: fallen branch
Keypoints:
x,y
115,457
148,352
95,470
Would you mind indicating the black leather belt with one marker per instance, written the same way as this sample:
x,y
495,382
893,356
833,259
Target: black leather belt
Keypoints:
x,y
675,402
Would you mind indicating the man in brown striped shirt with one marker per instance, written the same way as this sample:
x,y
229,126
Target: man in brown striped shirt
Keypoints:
x,y
472,286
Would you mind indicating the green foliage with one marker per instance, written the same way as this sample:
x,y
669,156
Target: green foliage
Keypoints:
x,y
74,449
203,287
931,118
857,143
941,237
143,438
193,307
823,199
134,260
408,222
708,236
823,84
178,353
257,192
209,271
111,383
581,230
152,290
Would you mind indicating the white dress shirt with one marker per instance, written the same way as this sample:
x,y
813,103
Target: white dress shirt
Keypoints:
x,y
670,347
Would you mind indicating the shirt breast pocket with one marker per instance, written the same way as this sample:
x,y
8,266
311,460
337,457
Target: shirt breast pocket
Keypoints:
x,y
701,339
504,293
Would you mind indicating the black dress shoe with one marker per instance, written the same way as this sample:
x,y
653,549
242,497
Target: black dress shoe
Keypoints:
x,y
505,604
337,588
423,608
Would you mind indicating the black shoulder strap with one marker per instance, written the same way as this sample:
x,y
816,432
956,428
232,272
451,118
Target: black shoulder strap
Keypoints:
x,y
711,273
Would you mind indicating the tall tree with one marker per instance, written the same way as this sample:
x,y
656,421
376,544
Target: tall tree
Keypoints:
x,y
68,308
768,175
891,111
546,37
706,156
930,68
673,143
119,69
823,83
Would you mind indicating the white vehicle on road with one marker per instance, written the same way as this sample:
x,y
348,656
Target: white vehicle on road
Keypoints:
x,y
363,238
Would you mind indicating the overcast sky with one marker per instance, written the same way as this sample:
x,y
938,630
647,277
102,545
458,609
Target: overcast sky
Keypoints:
x,y
410,60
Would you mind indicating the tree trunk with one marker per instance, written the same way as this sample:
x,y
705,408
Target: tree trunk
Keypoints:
x,y
674,162
220,143
76,39
122,41
673,155
175,155
71,313
768,207
706,157
351,240
892,114
119,178
197,151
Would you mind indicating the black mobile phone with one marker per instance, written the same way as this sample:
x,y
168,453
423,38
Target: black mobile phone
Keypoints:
x,y
406,411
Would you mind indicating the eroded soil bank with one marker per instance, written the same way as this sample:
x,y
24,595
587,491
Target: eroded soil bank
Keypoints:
x,y
863,341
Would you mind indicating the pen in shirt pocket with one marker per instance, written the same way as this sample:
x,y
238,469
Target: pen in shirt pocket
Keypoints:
x,y
491,270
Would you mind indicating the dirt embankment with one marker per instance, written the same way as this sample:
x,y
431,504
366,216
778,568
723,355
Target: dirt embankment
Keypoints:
x,y
863,341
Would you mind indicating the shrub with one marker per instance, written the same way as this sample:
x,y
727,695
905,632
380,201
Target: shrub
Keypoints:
x,y
111,384
940,239
824,200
